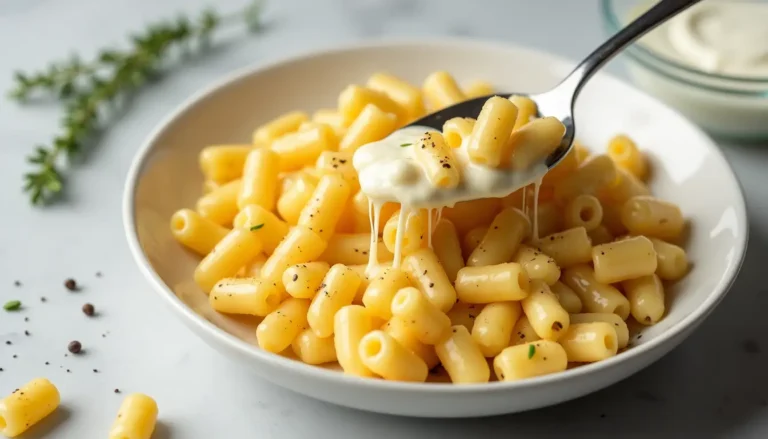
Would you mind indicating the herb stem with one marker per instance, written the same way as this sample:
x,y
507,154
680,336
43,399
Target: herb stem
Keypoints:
x,y
88,89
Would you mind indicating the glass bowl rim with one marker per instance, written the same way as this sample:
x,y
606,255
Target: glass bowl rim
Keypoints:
x,y
611,19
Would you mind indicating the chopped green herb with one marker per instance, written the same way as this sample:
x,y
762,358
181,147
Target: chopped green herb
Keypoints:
x,y
531,351
12,305
257,227
403,145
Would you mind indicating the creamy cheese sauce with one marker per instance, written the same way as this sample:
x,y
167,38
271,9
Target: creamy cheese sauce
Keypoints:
x,y
724,37
389,172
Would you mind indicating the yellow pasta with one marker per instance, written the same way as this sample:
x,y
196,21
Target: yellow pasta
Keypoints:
x,y
568,299
622,260
302,148
493,326
625,187
533,142
428,324
399,329
265,224
27,406
526,110
650,216
382,289
619,325
354,99
293,200
523,332
405,94
583,211
465,314
250,296
590,342
547,317
233,252
488,141
529,360
457,129
441,91
567,248
425,273
196,232
472,239
220,205
300,245
500,242
537,265
476,89
492,283
259,183
414,234
312,349
672,262
646,298
595,297
462,358
278,127
600,235
350,324
591,176
337,290
278,329
332,118
352,249
302,281
527,283
436,160
136,418
325,206
623,151
445,242
370,125
383,355
224,163
467,215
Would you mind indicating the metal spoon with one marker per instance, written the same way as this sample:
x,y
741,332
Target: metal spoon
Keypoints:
x,y
559,101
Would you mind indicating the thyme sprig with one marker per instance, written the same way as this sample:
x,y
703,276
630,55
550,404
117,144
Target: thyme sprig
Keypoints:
x,y
88,89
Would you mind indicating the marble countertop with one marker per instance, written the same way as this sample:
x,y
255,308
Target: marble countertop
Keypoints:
x,y
713,385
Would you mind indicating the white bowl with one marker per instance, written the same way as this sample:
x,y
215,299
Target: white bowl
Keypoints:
x,y
687,168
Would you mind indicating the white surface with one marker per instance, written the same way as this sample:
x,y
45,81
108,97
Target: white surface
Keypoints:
x,y
165,177
708,387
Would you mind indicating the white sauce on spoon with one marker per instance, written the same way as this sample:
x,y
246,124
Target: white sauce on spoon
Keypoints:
x,y
388,172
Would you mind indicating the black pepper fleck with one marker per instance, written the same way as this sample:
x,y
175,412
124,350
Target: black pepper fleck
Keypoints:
x,y
89,310
75,347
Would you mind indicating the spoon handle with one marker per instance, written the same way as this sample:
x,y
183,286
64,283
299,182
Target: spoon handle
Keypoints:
x,y
659,13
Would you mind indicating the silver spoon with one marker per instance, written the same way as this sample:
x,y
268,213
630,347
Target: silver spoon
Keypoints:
x,y
559,101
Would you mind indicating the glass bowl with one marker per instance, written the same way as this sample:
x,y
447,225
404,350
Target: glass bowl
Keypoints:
x,y
730,107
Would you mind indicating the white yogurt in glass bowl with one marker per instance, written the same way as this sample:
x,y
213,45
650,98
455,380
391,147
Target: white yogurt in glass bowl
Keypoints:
x,y
710,63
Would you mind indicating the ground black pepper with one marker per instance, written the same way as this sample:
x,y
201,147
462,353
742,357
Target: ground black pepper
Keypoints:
x,y
17,283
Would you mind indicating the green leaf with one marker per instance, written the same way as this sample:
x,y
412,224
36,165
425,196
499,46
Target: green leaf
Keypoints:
x,y
403,145
531,351
12,305
256,227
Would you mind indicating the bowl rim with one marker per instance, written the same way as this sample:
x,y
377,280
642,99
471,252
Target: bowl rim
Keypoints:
x,y
338,378
612,20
